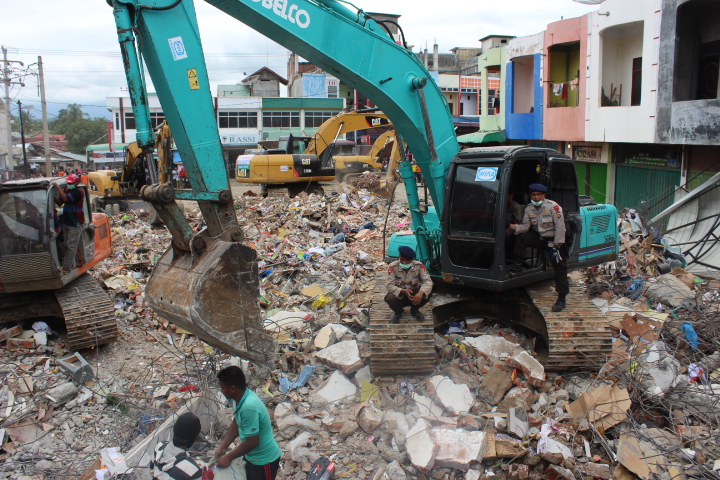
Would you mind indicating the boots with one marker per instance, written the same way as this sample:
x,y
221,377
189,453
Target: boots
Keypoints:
x,y
396,317
415,312
560,304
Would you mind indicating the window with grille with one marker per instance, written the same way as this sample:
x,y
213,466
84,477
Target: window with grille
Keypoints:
x,y
281,119
332,91
315,119
237,119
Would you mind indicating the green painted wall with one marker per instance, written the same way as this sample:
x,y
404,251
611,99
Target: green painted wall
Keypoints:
x,y
297,103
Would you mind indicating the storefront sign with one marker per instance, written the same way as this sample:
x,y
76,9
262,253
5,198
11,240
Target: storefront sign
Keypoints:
x,y
586,154
239,138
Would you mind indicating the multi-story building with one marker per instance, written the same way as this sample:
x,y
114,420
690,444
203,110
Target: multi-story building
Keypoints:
x,y
249,114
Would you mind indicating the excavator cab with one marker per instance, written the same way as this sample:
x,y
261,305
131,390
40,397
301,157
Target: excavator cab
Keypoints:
x,y
483,186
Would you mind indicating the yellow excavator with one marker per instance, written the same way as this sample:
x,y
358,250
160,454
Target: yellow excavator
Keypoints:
x,y
368,158
300,169
110,187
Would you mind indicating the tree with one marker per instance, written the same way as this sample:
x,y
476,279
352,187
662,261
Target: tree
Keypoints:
x,y
32,125
79,130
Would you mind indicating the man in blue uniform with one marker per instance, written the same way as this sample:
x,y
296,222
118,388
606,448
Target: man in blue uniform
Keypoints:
x,y
408,285
543,228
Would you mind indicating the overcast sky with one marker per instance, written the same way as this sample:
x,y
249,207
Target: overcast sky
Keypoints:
x,y
78,44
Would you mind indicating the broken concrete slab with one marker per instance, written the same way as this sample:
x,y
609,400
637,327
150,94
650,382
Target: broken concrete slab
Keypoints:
x,y
363,374
427,407
556,472
325,337
459,448
659,370
492,347
420,447
473,474
335,389
595,470
394,471
533,370
455,398
396,421
62,393
370,418
343,355
495,385
289,421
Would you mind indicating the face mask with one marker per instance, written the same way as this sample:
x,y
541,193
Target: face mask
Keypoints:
x,y
72,187
406,266
537,204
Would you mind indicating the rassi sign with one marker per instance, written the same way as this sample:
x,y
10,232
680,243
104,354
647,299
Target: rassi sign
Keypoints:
x,y
290,12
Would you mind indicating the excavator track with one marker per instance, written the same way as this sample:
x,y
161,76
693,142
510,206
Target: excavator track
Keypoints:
x,y
579,336
89,313
406,348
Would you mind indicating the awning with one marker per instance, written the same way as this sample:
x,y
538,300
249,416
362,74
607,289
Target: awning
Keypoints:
x,y
483,137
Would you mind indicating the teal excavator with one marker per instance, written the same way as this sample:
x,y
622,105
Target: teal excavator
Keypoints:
x,y
207,282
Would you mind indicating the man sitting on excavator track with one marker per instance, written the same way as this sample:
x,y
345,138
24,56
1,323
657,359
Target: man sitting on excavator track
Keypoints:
x,y
408,285
543,228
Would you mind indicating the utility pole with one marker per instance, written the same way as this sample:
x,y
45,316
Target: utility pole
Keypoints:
x,y
22,139
46,132
10,161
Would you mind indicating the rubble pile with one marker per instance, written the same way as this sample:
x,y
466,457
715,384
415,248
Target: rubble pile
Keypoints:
x,y
490,410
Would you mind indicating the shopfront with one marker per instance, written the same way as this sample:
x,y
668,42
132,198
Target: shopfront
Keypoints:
x,y
646,176
591,165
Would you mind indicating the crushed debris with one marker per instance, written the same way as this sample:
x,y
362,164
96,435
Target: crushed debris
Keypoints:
x,y
490,409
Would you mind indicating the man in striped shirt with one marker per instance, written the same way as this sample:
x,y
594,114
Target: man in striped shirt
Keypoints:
x,y
170,460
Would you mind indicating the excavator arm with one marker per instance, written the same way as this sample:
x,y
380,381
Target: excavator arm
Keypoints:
x,y
207,282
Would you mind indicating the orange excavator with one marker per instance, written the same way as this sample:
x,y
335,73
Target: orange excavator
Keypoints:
x,y
32,283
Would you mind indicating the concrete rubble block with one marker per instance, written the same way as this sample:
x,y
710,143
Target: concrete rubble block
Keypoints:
x,y
339,330
335,423
420,446
396,421
556,472
491,347
348,429
363,374
336,389
297,421
62,394
283,409
459,448
395,471
473,474
533,370
455,398
298,451
518,471
658,368
343,355
595,470
325,337
392,455
518,398
427,407
509,449
370,418
495,385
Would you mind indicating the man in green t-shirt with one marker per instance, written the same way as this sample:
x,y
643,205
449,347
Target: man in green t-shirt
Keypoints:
x,y
252,423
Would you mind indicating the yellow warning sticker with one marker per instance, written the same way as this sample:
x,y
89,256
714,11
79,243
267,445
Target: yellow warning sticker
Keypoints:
x,y
193,79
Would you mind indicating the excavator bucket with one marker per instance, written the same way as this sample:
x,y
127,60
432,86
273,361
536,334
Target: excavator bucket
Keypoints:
x,y
214,295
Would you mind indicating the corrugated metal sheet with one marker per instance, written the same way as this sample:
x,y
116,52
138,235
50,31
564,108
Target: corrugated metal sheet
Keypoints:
x,y
647,189
694,226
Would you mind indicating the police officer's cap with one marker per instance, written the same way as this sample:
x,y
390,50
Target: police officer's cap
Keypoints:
x,y
538,187
406,252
